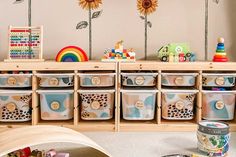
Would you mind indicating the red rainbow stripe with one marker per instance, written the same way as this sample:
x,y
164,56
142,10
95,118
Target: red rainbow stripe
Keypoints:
x,y
71,54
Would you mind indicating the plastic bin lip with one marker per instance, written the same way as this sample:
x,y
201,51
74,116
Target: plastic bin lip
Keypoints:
x,y
16,74
179,91
179,74
41,91
55,74
16,91
142,90
96,74
211,91
219,74
96,91
138,74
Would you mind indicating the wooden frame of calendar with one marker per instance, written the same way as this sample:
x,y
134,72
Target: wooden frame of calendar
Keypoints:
x,y
25,45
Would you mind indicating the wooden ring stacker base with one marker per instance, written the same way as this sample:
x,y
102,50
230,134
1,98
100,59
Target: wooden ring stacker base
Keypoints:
x,y
11,81
220,81
219,105
55,105
11,107
96,80
139,80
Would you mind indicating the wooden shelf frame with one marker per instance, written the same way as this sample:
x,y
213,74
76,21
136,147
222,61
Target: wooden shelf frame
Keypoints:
x,y
117,123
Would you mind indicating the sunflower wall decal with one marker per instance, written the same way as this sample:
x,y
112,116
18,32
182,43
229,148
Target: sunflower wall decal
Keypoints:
x,y
145,8
29,9
89,5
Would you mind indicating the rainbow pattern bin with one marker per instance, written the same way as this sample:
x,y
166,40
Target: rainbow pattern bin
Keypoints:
x,y
15,106
139,79
218,80
178,104
179,79
218,105
56,80
56,104
97,104
15,80
97,79
138,104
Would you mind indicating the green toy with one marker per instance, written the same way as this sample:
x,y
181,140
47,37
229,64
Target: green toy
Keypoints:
x,y
175,50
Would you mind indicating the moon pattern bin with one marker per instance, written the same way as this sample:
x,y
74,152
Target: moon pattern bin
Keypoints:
x,y
15,80
97,79
139,79
178,104
97,104
138,104
56,104
15,106
218,80
179,79
56,80
218,105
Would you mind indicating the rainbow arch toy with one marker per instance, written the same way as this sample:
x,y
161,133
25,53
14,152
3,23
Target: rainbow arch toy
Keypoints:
x,y
71,54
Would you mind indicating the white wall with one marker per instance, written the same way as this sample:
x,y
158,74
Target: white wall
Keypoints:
x,y
174,21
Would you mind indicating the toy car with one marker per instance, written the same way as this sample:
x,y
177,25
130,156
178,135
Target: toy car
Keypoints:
x,y
175,49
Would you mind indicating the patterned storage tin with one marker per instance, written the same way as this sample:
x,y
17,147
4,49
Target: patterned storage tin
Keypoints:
x,y
56,80
15,80
97,104
139,79
213,138
56,104
138,104
178,104
218,80
218,105
15,106
179,79
97,79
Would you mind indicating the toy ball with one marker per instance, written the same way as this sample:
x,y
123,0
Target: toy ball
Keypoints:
x,y
221,40
71,54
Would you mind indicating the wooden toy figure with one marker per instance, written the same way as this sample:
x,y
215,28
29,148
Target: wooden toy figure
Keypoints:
x,y
220,55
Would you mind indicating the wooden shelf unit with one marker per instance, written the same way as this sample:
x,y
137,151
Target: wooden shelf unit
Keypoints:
x,y
117,123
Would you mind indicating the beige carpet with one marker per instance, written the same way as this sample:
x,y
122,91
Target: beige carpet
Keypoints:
x,y
150,144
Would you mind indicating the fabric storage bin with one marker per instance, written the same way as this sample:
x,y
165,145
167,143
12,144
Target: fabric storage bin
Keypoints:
x,y
218,105
15,80
138,104
218,80
56,104
15,106
178,104
97,79
179,79
56,80
97,104
139,79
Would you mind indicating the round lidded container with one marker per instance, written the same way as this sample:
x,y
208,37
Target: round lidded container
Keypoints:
x,y
213,138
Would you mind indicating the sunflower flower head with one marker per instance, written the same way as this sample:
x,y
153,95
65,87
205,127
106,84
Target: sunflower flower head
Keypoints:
x,y
147,7
90,4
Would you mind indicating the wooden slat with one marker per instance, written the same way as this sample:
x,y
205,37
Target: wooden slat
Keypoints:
x,y
76,99
35,100
159,97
